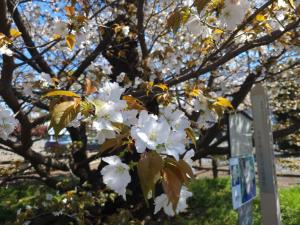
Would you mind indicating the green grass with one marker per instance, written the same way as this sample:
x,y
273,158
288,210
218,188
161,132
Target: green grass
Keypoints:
x,y
210,204
15,197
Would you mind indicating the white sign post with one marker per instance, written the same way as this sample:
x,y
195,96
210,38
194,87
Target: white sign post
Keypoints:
x,y
265,157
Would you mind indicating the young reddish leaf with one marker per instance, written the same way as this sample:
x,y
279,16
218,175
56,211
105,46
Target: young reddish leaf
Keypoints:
x,y
70,11
62,114
200,4
89,87
61,93
149,167
111,144
133,103
71,40
174,21
171,185
176,168
185,168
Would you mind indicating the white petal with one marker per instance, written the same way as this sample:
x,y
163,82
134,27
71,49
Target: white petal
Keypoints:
x,y
112,160
160,202
117,178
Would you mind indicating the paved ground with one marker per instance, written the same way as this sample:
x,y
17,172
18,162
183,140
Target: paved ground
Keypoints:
x,y
283,181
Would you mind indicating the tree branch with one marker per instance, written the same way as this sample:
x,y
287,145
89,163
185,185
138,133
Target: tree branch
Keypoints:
x,y
27,39
267,39
140,27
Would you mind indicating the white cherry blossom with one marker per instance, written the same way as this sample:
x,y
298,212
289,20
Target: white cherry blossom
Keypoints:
x,y
7,124
176,118
45,77
196,27
4,50
116,175
60,28
175,143
162,202
150,132
125,30
188,157
234,12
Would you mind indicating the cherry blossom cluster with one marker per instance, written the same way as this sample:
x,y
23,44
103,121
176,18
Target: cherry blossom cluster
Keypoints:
x,y
8,124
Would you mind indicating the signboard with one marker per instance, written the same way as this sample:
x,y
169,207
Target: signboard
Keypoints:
x,y
265,157
243,184
241,147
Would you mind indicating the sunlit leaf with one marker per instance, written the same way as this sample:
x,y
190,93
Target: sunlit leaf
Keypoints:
x,y
62,114
14,33
71,40
223,102
133,103
260,17
292,3
185,14
61,93
164,87
218,31
191,135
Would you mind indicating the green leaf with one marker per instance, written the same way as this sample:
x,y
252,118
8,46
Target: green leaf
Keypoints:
x,y
61,93
149,167
62,114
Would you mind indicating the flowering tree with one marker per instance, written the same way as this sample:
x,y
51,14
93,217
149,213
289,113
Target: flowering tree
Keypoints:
x,y
152,78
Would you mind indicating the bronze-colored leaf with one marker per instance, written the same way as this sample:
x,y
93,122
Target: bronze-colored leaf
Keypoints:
x,y
174,21
171,185
133,103
89,87
200,4
186,168
149,167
